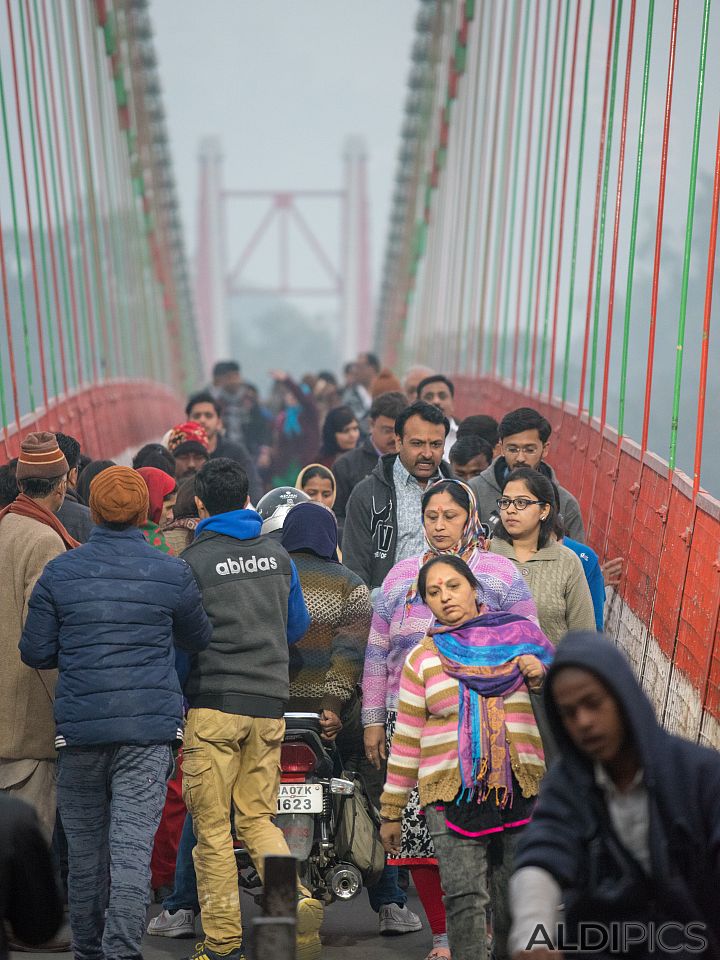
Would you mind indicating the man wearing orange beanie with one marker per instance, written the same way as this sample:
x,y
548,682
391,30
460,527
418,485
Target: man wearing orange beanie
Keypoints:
x,y
109,614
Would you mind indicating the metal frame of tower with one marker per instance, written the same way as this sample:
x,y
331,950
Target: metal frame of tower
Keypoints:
x,y
348,273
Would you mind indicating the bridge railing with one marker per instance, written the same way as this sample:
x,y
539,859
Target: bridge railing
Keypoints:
x,y
96,309
553,243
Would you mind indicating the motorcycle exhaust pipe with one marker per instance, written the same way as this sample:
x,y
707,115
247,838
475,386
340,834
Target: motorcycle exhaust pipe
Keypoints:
x,y
345,881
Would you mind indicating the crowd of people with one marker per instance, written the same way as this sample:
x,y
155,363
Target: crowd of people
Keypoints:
x,y
420,582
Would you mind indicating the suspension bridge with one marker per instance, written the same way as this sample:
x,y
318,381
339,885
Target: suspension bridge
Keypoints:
x,y
552,243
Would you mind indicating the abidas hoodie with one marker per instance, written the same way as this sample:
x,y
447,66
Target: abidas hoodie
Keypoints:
x,y
571,835
251,593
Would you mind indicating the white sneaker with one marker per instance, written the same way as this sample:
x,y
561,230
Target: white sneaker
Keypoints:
x,y
396,920
179,924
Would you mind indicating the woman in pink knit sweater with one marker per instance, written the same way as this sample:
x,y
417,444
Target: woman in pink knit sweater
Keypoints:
x,y
466,737
400,621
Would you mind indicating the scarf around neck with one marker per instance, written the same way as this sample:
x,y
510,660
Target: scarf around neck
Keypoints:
x,y
497,732
24,506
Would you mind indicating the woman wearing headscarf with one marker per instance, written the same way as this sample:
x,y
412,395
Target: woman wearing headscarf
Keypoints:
x,y
318,482
467,738
400,620
180,531
162,490
325,666
162,493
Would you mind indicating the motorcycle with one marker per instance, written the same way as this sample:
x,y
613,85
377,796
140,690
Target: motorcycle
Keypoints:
x,y
309,805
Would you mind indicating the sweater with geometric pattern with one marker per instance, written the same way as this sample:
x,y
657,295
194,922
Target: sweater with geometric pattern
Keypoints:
x,y
325,666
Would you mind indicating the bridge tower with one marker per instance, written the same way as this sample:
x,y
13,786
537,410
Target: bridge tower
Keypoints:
x,y
345,267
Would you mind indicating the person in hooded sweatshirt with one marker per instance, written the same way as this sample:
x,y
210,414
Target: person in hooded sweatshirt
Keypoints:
x,y
626,833
237,692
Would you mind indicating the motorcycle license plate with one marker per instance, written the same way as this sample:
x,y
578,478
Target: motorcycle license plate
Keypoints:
x,y
300,798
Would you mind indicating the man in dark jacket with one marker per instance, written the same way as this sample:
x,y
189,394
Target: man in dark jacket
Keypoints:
x,y
626,832
204,409
355,465
238,689
73,514
383,518
524,442
106,614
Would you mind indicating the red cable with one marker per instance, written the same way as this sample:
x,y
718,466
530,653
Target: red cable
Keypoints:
x,y
616,228
62,63
46,194
548,144
8,328
63,201
503,207
525,199
702,389
659,231
21,138
598,192
561,231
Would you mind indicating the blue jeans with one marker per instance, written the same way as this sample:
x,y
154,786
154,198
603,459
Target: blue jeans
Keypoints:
x,y
184,895
110,799
386,890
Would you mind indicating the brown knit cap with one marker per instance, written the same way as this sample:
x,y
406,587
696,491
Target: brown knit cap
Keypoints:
x,y
385,382
41,458
119,495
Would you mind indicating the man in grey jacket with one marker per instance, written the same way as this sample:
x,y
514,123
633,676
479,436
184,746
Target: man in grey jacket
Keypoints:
x,y
524,442
383,523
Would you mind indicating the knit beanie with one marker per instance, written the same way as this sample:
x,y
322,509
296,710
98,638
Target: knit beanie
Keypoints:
x,y
41,458
385,382
188,437
119,495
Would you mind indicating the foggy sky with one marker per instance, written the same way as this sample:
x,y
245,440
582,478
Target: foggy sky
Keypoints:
x,y
282,83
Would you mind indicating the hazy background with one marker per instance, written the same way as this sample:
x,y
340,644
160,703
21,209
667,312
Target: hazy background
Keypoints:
x,y
283,84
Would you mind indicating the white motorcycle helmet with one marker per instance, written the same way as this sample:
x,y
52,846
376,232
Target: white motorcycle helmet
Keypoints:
x,y
275,506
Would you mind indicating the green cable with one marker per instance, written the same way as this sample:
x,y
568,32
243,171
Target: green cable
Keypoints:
x,y
72,346
500,218
74,200
603,212
38,200
538,170
558,132
107,358
114,255
516,165
688,238
16,237
578,191
635,216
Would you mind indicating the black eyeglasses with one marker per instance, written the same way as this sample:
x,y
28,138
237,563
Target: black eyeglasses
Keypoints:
x,y
520,503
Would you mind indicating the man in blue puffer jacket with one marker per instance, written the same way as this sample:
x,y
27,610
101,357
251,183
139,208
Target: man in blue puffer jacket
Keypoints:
x,y
106,616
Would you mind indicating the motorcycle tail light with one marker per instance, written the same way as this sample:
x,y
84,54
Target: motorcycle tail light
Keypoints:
x,y
297,758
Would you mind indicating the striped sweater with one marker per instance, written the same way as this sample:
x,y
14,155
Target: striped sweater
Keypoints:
x,y
424,750
395,630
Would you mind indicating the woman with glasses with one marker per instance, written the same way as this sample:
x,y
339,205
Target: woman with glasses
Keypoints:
x,y
554,574
401,619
